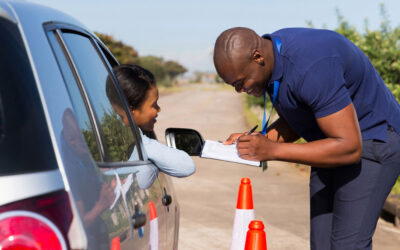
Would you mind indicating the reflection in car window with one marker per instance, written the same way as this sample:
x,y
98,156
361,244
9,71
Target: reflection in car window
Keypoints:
x,y
93,191
25,144
188,142
1,121
76,98
116,137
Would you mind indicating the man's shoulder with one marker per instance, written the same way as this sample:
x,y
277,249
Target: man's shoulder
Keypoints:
x,y
307,35
304,38
291,31
305,46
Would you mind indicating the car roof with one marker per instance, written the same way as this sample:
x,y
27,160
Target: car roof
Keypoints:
x,y
23,12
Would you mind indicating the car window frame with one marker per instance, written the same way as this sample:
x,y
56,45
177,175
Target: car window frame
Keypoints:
x,y
102,49
58,28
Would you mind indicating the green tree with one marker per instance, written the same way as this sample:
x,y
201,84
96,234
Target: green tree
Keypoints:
x,y
118,138
88,134
155,65
347,30
381,46
122,52
173,69
164,72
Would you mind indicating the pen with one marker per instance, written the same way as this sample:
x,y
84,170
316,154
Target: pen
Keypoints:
x,y
252,130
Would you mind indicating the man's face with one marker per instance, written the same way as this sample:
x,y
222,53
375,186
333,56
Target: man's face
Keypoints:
x,y
245,76
72,135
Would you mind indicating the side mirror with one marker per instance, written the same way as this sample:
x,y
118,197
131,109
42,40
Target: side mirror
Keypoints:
x,y
188,140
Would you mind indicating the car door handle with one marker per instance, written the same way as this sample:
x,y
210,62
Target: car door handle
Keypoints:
x,y
166,199
139,218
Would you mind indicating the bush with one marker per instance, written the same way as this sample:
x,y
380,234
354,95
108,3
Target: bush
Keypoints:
x,y
257,101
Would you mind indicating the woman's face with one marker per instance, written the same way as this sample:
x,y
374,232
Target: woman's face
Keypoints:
x,y
145,116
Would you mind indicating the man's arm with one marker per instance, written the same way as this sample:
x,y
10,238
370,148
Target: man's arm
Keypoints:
x,y
342,146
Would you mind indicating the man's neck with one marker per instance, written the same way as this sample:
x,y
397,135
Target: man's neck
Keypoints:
x,y
268,52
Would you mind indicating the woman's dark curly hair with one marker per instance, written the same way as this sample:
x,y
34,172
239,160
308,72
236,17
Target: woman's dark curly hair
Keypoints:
x,y
134,81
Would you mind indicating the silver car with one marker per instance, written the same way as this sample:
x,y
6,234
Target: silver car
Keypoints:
x,y
65,178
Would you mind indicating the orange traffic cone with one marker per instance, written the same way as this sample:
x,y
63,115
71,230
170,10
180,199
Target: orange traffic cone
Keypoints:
x,y
153,226
255,239
243,215
115,244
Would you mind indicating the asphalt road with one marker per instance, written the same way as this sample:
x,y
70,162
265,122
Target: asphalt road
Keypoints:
x,y
208,198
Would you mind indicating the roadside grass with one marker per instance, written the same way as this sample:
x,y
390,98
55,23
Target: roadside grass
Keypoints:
x,y
224,86
164,90
169,89
395,89
216,87
396,187
251,118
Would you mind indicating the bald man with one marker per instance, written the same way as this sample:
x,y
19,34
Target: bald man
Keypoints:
x,y
327,91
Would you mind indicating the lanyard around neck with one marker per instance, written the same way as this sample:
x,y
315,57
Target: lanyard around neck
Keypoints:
x,y
275,94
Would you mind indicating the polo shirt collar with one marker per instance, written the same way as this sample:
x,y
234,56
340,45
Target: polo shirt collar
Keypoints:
x,y
277,72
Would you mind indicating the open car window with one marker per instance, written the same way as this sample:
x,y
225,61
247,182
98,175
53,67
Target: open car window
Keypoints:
x,y
108,138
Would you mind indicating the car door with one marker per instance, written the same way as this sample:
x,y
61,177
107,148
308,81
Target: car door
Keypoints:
x,y
145,193
172,211
116,148
167,207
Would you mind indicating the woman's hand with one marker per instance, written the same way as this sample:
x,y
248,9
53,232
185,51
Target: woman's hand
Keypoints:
x,y
107,196
232,139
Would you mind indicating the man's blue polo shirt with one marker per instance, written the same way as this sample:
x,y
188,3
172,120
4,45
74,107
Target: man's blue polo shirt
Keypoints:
x,y
321,72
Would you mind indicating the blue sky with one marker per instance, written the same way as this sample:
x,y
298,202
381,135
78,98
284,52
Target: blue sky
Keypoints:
x,y
185,31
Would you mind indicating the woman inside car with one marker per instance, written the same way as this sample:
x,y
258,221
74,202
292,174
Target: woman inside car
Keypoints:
x,y
141,93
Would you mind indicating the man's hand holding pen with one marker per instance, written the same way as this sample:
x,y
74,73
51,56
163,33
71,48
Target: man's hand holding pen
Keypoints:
x,y
255,147
252,145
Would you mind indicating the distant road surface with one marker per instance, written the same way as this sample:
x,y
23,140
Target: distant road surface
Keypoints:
x,y
208,198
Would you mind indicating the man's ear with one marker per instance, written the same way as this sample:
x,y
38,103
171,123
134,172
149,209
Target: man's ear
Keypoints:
x,y
257,57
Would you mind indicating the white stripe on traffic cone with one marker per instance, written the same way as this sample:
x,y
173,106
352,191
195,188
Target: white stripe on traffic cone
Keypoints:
x,y
153,227
243,216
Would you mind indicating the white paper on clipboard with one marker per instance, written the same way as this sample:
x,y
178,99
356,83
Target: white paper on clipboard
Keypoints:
x,y
217,150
